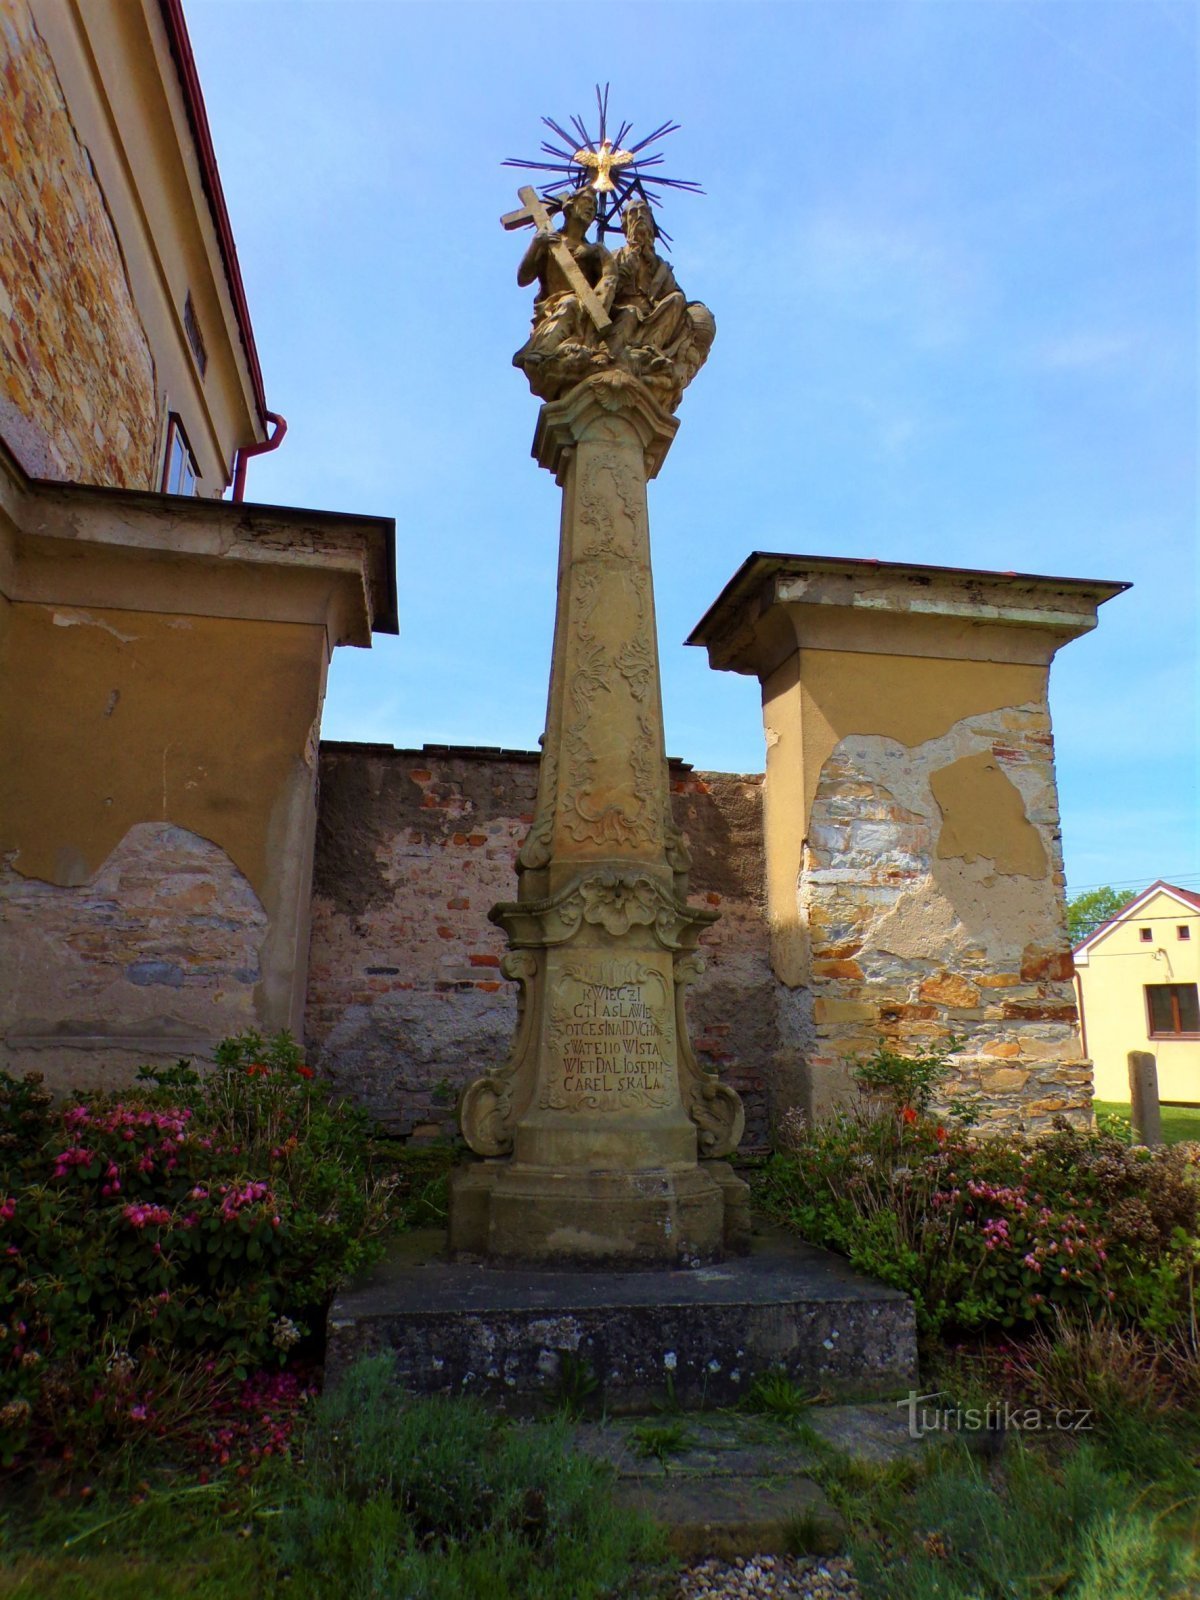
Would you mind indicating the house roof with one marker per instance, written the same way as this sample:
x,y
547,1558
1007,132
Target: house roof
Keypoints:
x,y
1185,897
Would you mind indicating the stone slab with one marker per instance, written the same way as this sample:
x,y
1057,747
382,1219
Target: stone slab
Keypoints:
x,y
727,1517
718,1445
736,1483
629,1340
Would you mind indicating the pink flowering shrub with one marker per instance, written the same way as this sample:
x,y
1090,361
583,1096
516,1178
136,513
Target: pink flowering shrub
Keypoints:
x,y
994,1232
203,1219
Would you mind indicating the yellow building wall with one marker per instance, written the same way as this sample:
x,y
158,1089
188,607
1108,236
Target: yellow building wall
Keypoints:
x,y
157,806
1112,977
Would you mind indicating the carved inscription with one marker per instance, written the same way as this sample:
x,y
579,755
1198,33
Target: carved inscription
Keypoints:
x,y
612,1039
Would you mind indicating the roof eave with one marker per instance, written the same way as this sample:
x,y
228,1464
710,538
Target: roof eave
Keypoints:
x,y
210,177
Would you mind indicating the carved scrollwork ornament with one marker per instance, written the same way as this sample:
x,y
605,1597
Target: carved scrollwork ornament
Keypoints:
x,y
713,1106
486,1108
535,849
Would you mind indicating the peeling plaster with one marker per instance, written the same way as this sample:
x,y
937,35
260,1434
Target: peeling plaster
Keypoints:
x,y
983,810
84,619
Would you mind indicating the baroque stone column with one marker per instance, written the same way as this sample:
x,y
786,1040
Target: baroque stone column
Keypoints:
x,y
602,1135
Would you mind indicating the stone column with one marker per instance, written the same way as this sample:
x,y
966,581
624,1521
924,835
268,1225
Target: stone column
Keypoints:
x,y
913,853
602,1133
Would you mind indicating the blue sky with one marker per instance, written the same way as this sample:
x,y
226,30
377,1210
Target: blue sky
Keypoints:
x,y
951,250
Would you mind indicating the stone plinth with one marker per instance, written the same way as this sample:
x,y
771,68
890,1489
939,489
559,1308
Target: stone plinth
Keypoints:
x,y
914,863
697,1338
594,1127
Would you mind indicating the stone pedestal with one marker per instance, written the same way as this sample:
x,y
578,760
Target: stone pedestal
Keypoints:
x,y
595,1127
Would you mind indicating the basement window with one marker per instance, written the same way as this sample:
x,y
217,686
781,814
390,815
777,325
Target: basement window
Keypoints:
x,y
1145,935
1173,1010
180,474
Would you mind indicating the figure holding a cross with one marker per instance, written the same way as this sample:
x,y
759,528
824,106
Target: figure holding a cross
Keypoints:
x,y
569,312
595,310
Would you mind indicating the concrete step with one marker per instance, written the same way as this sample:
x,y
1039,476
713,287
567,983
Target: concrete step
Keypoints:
x,y
625,1341
733,1484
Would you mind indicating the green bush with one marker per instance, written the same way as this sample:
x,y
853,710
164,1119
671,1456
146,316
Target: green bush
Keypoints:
x,y
197,1225
1076,1529
441,1498
991,1232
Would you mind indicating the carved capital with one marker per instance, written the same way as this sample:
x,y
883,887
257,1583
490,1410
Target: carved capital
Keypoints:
x,y
564,423
606,897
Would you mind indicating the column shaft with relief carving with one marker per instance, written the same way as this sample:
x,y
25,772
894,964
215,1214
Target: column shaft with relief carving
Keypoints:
x,y
602,1135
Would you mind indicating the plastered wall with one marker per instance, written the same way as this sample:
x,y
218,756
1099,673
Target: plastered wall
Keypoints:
x,y
916,884
405,998
156,820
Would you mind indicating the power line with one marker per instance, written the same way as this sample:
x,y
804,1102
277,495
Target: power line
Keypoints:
x,y
1175,878
1180,916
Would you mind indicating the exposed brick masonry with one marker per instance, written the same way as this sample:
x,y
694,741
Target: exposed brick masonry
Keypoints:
x,y
406,1002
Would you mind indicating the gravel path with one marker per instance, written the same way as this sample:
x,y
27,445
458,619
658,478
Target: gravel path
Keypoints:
x,y
762,1577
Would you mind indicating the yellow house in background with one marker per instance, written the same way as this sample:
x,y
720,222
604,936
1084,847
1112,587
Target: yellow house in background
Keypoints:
x,y
1138,975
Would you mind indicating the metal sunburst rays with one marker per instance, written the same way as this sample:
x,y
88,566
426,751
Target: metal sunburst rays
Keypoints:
x,y
615,173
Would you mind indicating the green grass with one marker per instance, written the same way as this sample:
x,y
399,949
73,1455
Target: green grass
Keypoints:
x,y
393,1498
1179,1123
774,1394
659,1441
123,1543
1114,1517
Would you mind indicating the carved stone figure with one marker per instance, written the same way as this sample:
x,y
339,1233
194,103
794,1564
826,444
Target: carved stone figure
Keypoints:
x,y
594,309
657,334
562,347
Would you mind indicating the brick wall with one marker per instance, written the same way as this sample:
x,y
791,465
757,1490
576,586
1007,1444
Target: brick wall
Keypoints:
x,y
77,380
405,999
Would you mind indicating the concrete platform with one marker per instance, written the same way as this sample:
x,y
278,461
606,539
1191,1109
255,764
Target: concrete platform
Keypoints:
x,y
626,1341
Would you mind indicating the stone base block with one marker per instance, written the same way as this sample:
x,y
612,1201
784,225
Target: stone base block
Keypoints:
x,y
628,1340
508,1211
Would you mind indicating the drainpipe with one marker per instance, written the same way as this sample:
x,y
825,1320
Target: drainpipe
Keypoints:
x,y
248,450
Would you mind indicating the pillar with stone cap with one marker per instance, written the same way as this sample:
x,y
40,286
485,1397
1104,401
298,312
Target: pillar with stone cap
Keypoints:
x,y
602,1136
915,887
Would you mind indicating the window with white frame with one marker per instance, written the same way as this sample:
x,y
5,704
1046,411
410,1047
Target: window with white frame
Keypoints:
x,y
180,473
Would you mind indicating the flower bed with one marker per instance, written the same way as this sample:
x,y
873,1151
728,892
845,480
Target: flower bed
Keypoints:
x,y
159,1248
991,1231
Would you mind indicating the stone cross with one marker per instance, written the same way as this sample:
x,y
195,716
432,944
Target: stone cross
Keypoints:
x,y
532,210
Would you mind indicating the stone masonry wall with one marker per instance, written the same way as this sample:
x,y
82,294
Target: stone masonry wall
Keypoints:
x,y
932,890
405,999
77,381
156,956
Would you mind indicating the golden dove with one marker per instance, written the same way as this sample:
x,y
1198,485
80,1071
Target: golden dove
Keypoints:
x,y
603,161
